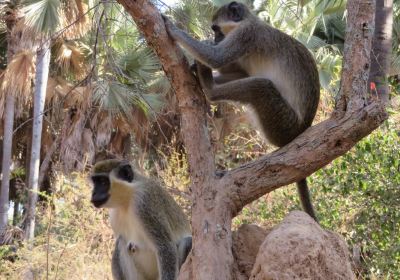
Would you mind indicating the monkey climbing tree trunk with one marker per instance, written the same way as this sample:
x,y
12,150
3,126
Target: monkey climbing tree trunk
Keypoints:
x,y
216,200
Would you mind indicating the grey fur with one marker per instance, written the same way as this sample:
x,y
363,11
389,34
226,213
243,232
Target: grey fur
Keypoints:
x,y
116,265
262,67
152,239
184,247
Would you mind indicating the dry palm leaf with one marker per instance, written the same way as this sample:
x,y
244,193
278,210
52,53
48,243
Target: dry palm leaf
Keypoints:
x,y
17,79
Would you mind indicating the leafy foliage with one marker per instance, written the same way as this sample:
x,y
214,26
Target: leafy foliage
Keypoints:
x,y
358,195
73,239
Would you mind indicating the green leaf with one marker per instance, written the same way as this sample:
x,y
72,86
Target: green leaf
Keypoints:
x,y
42,15
120,99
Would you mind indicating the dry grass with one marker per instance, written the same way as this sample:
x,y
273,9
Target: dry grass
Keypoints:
x,y
74,240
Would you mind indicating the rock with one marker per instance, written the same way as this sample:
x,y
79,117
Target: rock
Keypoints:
x,y
299,248
246,241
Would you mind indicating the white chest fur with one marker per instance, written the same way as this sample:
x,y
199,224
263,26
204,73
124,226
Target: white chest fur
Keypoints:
x,y
124,222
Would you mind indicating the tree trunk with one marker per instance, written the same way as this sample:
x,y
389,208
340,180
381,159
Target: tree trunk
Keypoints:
x,y
16,212
381,48
217,199
6,163
7,133
42,73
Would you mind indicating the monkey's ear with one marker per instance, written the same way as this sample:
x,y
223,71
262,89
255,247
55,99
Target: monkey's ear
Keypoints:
x,y
236,11
125,172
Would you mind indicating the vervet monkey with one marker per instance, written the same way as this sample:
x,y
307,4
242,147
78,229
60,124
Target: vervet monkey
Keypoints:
x,y
262,67
153,234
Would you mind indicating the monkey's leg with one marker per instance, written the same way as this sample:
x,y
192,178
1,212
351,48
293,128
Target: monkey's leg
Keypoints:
x,y
167,257
227,74
184,247
279,122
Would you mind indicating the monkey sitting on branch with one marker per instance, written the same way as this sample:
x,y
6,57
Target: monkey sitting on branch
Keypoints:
x,y
262,67
153,234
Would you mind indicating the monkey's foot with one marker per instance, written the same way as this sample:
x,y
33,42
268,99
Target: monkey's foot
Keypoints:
x,y
132,247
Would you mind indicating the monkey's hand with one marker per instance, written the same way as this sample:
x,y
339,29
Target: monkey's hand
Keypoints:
x,y
194,67
172,30
132,247
205,76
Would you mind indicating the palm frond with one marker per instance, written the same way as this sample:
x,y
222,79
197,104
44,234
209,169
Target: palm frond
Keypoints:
x,y
194,16
75,19
43,15
329,64
311,42
395,65
159,84
17,78
119,99
140,64
71,57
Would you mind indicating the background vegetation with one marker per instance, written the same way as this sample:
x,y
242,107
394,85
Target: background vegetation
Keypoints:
x,y
106,94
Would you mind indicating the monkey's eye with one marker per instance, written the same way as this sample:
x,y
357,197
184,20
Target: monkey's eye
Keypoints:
x,y
235,11
125,172
215,28
101,182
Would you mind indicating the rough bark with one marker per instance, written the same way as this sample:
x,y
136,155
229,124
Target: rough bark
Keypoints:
x,y
216,200
382,47
42,74
356,56
8,127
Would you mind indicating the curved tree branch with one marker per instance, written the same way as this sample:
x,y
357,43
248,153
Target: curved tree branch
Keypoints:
x,y
309,152
216,201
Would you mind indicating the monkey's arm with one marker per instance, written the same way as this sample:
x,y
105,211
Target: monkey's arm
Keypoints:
x,y
214,56
116,268
159,231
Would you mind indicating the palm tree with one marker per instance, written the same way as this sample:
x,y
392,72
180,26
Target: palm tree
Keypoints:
x,y
15,86
44,17
7,139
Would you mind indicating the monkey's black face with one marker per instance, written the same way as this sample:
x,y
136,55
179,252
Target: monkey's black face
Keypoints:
x,y
235,11
101,187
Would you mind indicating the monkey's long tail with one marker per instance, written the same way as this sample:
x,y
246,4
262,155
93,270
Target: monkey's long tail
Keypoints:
x,y
305,198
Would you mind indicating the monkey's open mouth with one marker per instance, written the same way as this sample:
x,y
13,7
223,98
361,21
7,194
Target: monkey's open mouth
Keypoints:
x,y
97,202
